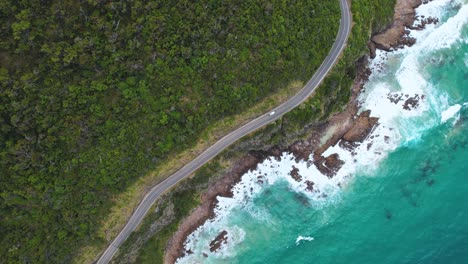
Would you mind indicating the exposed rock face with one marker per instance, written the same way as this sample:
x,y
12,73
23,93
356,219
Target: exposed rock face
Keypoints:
x,y
405,11
330,165
295,174
362,127
412,102
333,162
396,36
218,241
301,149
395,98
276,152
391,38
424,22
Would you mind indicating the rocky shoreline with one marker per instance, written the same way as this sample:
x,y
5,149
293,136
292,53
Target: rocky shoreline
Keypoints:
x,y
396,36
346,127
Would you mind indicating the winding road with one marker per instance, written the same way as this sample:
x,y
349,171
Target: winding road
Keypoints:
x,y
211,152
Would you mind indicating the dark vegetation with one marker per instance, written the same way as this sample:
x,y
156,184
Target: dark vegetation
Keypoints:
x,y
369,16
94,94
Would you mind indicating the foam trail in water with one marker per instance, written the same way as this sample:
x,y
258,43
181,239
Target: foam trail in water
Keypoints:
x,y
451,112
302,238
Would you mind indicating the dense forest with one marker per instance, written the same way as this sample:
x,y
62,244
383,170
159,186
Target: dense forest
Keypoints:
x,y
94,94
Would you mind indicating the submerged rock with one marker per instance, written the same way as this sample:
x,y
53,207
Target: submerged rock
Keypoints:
x,y
388,214
302,199
218,241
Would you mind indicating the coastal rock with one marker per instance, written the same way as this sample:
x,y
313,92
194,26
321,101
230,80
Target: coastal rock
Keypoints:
x,y
301,149
333,162
412,102
330,165
363,73
348,145
396,36
409,103
405,11
276,152
424,22
337,127
310,186
218,241
362,127
395,98
372,49
389,39
295,174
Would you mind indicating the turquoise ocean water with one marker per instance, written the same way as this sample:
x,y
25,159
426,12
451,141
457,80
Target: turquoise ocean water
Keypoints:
x,y
407,203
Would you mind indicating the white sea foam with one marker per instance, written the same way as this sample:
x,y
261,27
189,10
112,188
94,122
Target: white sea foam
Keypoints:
x,y
198,243
446,34
366,157
302,238
397,125
411,79
434,8
450,113
252,183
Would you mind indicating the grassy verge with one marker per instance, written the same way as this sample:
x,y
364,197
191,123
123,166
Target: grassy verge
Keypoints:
x,y
330,97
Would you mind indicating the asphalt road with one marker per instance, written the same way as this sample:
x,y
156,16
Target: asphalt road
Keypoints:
x,y
211,152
